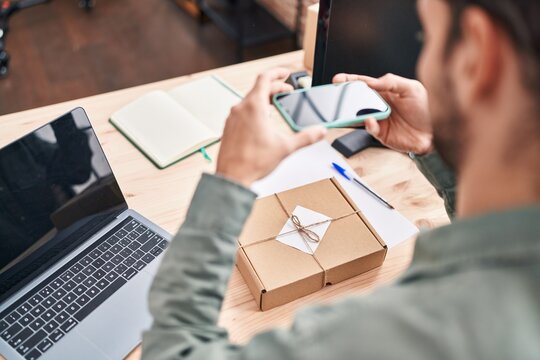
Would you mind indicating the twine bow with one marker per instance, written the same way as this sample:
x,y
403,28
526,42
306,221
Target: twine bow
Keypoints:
x,y
306,234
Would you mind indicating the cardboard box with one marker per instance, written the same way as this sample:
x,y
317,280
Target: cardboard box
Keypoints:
x,y
277,273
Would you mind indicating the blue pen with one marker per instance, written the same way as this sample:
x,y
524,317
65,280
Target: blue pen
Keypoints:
x,y
343,173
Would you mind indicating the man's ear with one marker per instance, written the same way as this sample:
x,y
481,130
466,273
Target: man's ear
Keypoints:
x,y
477,57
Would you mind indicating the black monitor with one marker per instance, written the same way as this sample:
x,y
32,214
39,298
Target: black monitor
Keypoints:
x,y
370,37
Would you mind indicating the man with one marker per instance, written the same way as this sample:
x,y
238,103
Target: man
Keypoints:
x,y
473,288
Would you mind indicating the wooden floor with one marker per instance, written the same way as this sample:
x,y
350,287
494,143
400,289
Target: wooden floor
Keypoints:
x,y
60,52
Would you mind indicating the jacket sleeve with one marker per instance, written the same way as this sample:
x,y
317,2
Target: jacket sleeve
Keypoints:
x,y
440,176
187,295
188,290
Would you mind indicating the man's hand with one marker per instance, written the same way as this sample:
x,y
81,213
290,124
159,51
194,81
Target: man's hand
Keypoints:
x,y
408,129
251,148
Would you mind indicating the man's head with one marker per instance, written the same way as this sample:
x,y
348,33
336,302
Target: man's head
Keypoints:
x,y
481,66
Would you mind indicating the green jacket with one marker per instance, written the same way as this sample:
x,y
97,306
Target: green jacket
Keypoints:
x,y
471,292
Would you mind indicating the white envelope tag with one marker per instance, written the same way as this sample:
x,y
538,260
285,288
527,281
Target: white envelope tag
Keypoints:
x,y
290,236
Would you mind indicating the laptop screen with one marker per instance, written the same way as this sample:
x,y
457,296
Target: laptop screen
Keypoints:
x,y
55,187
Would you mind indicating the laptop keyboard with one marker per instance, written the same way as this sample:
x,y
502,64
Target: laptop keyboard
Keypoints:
x,y
34,323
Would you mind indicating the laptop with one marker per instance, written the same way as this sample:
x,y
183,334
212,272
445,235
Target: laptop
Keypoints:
x,y
76,263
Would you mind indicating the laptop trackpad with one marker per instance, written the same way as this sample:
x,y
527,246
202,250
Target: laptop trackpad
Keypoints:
x,y
74,346
116,326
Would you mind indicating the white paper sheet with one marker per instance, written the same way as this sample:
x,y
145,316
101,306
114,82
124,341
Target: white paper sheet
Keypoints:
x,y
314,163
290,236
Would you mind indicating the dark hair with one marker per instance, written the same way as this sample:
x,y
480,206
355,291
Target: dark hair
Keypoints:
x,y
520,19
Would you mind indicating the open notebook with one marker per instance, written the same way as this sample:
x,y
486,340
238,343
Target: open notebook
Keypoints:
x,y
169,126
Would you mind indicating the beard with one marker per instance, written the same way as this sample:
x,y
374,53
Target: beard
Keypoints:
x,y
449,130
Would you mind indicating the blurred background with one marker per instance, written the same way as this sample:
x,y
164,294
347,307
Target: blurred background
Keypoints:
x,y
67,49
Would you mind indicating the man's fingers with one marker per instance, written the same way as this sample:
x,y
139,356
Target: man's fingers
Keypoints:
x,y
391,83
373,127
280,87
388,83
264,81
307,137
340,78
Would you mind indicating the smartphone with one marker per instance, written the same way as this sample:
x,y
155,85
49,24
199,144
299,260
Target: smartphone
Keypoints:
x,y
333,106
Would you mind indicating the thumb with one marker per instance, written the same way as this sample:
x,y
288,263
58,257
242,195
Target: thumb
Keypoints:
x,y
307,137
373,127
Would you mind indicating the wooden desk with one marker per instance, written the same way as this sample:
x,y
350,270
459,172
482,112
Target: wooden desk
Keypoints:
x,y
164,195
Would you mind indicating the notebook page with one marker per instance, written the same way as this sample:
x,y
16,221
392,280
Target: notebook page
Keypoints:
x,y
208,99
161,128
